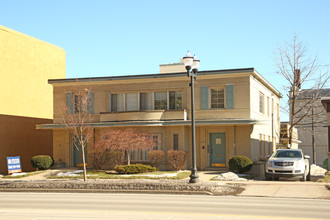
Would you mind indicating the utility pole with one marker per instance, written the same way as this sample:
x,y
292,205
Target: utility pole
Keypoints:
x,y
313,135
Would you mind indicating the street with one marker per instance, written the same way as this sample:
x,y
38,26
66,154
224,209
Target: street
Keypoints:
x,y
23,205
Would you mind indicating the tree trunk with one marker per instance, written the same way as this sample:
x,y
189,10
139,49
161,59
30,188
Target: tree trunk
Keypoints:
x,y
84,161
128,158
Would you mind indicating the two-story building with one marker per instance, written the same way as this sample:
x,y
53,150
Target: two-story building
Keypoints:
x,y
236,111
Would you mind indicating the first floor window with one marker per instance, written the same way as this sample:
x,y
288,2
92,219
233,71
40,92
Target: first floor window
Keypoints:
x,y
141,154
160,100
175,141
217,98
156,140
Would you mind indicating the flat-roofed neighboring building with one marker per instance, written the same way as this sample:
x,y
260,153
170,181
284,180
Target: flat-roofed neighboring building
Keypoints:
x,y
26,98
236,111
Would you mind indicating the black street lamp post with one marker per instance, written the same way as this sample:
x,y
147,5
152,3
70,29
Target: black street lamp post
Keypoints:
x,y
192,64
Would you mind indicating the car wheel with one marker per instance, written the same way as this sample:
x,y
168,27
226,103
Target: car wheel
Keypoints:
x,y
303,178
308,178
268,178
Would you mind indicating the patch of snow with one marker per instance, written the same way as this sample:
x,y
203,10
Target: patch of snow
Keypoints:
x,y
70,173
160,175
317,170
230,176
18,174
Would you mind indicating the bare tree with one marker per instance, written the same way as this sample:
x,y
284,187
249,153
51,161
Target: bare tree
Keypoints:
x,y
300,71
77,118
127,140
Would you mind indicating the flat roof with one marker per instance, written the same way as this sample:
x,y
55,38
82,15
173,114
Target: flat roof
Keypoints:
x,y
167,75
146,76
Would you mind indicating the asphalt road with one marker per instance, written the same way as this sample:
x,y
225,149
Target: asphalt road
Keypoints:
x,y
36,206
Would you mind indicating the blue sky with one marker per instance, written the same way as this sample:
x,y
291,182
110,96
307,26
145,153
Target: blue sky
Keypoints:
x,y
109,38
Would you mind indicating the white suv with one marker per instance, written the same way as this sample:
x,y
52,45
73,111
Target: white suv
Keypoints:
x,y
287,163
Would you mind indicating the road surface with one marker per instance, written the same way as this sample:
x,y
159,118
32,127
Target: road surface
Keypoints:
x,y
22,205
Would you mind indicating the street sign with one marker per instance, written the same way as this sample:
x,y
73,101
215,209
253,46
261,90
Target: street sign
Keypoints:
x,y
14,164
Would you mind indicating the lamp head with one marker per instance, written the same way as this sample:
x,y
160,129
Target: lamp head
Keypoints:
x,y
195,64
188,61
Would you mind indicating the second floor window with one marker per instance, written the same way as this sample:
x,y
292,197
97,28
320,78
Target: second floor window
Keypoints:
x,y
78,104
117,104
217,98
146,101
175,99
160,100
261,102
131,102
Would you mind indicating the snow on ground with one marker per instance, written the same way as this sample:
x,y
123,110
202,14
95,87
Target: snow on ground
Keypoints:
x,y
18,174
160,175
317,170
70,173
230,176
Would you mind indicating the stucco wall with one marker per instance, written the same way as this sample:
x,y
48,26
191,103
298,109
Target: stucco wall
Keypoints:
x,y
26,64
258,152
103,90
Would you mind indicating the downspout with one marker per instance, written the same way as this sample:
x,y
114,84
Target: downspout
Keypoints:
x,y
235,151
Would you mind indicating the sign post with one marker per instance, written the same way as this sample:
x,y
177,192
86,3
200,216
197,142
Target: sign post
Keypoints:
x,y
14,164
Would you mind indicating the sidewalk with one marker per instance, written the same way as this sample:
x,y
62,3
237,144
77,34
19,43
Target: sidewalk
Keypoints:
x,y
279,189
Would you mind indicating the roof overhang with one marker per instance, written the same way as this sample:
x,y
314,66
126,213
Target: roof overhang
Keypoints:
x,y
160,123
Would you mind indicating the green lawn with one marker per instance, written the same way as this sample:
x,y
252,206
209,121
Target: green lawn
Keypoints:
x,y
22,176
151,175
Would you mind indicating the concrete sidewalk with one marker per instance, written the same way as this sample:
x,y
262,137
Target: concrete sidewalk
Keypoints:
x,y
259,188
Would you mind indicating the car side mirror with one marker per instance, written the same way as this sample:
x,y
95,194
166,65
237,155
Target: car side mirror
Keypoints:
x,y
307,157
268,156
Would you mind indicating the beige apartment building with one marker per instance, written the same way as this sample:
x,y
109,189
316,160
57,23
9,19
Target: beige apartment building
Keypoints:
x,y
26,64
236,111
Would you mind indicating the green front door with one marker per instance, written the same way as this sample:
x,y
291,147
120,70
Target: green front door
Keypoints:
x,y
217,149
77,154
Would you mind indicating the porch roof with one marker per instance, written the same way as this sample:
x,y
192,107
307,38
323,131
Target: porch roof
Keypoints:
x,y
161,123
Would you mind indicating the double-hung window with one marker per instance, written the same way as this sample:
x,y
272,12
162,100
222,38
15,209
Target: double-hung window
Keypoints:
x,y
78,104
117,103
146,101
217,98
131,102
160,100
261,102
175,100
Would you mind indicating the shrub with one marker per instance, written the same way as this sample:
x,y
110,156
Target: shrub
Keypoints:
x,y
155,157
99,158
134,169
116,157
240,164
177,159
41,162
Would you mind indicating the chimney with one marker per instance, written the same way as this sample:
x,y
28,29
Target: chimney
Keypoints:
x,y
172,67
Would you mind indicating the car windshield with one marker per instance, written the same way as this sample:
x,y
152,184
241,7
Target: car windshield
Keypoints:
x,y
288,154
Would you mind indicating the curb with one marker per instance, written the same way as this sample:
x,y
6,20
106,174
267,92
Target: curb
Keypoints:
x,y
132,186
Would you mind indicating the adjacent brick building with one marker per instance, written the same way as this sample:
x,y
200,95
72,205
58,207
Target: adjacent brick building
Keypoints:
x,y
26,64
